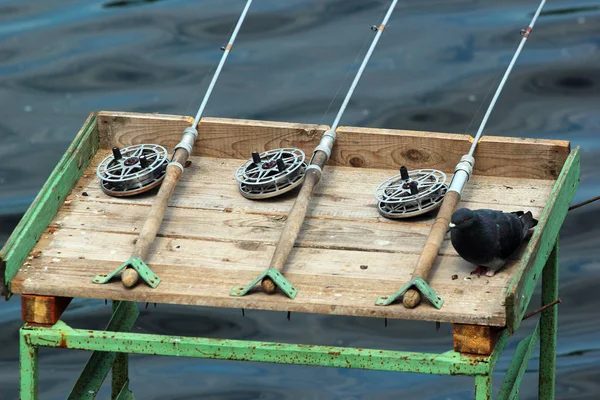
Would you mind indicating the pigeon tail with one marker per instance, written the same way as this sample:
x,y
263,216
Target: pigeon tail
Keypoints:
x,y
528,220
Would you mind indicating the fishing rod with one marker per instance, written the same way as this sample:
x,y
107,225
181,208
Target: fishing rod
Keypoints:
x,y
313,170
462,173
171,176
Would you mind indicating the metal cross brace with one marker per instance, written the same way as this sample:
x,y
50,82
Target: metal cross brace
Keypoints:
x,y
136,263
421,285
279,280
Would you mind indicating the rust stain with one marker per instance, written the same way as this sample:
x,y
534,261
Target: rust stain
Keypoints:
x,y
63,340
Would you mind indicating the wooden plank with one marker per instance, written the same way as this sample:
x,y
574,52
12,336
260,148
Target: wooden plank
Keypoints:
x,y
50,198
355,146
123,129
209,286
495,156
475,339
542,242
203,272
43,310
217,226
343,193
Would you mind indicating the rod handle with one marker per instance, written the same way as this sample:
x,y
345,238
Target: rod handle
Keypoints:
x,y
412,297
295,219
130,277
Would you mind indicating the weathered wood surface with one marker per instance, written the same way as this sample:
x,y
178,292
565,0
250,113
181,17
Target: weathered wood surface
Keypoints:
x,y
475,339
355,147
213,239
43,310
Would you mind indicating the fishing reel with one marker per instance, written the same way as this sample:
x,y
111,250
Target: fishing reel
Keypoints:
x,y
132,170
271,173
411,193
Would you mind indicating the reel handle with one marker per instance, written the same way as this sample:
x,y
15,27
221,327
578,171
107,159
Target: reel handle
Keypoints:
x,y
412,297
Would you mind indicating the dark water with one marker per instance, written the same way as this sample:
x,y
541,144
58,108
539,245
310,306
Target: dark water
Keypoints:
x,y
433,66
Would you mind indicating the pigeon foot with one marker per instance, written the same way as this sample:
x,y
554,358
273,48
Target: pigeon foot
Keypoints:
x,y
490,273
478,271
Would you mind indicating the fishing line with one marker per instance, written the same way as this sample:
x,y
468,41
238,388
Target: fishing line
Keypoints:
x,y
350,68
313,173
489,89
525,33
206,75
462,173
275,172
140,168
171,171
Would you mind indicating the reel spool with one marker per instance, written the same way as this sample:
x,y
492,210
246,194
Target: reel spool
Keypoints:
x,y
133,170
271,173
411,193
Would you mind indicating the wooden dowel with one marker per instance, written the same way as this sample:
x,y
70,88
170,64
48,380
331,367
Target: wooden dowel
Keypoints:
x,y
130,277
295,219
412,297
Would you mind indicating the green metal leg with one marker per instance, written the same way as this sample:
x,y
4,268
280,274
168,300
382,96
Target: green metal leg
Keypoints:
x,y
120,369
100,362
518,366
483,387
29,368
548,327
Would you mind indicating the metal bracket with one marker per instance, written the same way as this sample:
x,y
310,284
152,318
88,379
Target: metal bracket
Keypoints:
x,y
279,280
136,263
421,285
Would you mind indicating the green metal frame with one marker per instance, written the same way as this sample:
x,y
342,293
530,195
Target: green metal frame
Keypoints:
x,y
48,201
111,346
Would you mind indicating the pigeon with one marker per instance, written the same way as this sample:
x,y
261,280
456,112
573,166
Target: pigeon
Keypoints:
x,y
487,238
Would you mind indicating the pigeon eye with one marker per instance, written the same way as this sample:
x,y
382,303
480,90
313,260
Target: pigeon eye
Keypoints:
x,y
463,220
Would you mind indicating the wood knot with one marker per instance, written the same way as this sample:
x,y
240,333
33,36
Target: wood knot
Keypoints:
x,y
357,162
411,298
415,155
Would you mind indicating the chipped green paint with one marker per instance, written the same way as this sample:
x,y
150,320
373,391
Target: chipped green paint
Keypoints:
x,y
29,369
517,367
47,203
483,387
548,327
279,280
116,345
448,363
542,242
87,386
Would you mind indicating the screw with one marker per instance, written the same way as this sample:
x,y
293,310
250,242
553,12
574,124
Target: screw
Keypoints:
x,y
374,28
116,153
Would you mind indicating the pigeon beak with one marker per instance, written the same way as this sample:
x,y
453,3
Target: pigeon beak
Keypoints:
x,y
451,225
